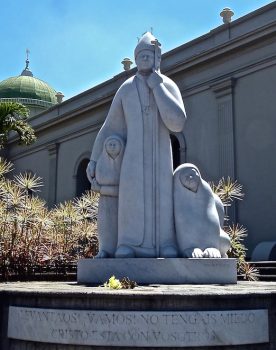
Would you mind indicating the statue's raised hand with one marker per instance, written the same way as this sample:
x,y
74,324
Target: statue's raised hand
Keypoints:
x,y
154,79
90,170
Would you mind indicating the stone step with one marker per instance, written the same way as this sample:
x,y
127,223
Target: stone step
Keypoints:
x,y
265,267
267,278
267,270
263,263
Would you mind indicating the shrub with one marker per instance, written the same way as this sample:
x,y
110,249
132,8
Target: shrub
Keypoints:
x,y
229,191
34,239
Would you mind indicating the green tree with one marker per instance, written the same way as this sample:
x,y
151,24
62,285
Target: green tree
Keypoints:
x,y
13,117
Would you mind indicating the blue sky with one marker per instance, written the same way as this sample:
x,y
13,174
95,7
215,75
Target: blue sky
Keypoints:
x,y
76,45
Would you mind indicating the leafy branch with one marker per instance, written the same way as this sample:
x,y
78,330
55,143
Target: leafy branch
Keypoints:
x,y
13,117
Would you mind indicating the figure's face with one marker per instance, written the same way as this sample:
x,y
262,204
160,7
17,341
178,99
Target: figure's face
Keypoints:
x,y
190,179
113,148
145,61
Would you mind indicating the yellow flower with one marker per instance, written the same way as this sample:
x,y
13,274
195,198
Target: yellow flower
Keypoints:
x,y
113,283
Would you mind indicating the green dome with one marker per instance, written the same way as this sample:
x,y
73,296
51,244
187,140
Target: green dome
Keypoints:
x,y
28,87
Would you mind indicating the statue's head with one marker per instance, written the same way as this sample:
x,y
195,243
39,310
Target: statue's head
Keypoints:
x,y
113,146
145,53
190,177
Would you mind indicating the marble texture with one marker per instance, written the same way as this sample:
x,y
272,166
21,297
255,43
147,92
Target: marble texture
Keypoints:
x,y
144,111
106,182
139,328
159,271
199,216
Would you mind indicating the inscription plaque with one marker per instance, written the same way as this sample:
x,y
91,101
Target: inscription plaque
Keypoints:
x,y
139,328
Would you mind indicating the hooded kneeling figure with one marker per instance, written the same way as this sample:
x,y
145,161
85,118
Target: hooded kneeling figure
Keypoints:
x,y
199,216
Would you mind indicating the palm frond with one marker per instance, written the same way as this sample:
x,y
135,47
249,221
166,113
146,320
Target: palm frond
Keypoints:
x,y
228,190
13,117
28,182
13,109
5,167
248,272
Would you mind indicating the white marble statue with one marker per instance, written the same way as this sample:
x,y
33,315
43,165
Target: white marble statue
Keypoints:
x,y
145,109
199,216
106,182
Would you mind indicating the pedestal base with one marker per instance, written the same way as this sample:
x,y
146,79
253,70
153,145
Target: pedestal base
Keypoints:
x,y
66,316
159,271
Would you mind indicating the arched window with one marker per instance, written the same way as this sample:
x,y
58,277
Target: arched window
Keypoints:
x,y
178,143
83,183
175,151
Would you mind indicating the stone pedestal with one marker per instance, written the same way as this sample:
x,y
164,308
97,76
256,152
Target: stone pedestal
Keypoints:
x,y
70,316
159,271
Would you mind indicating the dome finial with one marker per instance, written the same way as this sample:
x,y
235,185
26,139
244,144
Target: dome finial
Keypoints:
x,y
27,59
26,71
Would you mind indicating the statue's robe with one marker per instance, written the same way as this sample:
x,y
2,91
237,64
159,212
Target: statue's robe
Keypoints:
x,y
145,213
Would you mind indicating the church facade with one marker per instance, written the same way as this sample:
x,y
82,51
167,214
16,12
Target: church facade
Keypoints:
x,y
227,79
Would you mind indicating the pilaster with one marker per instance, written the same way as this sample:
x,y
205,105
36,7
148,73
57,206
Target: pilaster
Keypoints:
x,y
225,116
224,91
53,162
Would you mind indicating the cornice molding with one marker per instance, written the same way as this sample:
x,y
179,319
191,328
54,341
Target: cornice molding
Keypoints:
x,y
224,87
53,149
42,146
219,50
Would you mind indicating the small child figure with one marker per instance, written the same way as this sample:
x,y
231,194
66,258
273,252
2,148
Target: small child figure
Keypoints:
x,y
106,181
